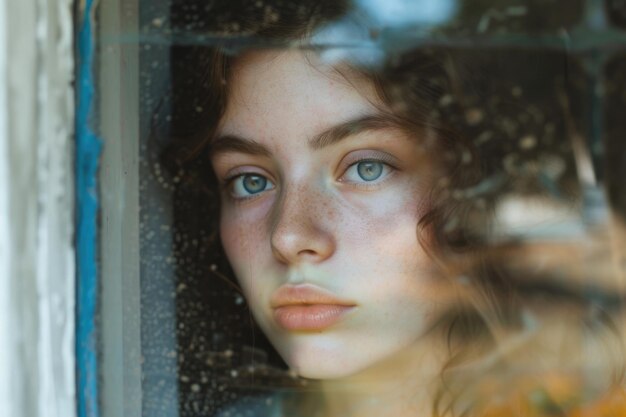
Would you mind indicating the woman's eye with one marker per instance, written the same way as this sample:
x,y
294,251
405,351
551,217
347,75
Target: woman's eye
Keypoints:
x,y
366,171
247,185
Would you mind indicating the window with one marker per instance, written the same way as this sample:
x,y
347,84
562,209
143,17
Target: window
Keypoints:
x,y
473,147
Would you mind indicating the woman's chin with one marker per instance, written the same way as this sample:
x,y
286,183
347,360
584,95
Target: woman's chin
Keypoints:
x,y
319,371
324,362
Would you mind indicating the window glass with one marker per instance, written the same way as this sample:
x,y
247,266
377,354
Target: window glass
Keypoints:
x,y
361,208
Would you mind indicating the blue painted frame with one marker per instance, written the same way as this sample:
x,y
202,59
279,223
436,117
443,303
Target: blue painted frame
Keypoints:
x,y
88,148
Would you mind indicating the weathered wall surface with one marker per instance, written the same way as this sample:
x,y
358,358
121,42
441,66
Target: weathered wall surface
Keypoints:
x,y
36,209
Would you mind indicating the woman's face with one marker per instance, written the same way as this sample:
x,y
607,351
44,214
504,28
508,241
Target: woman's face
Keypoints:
x,y
321,198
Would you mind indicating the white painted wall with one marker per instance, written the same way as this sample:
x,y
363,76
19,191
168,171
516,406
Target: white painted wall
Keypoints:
x,y
36,209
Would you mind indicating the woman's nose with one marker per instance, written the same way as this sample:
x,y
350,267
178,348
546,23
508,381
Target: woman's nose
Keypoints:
x,y
301,228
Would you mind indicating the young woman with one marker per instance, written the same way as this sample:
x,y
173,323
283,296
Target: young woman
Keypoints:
x,y
355,213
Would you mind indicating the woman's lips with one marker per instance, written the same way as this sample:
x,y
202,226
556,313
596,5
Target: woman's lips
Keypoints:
x,y
309,316
308,307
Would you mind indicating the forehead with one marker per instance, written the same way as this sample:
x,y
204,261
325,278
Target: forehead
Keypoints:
x,y
285,93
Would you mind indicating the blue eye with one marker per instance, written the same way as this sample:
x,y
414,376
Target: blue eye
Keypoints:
x,y
247,185
369,170
366,171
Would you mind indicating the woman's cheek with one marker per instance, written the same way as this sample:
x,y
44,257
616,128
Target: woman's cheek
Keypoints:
x,y
245,237
393,208
240,240
242,224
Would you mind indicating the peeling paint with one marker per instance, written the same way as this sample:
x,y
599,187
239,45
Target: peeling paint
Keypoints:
x,y
37,274
88,148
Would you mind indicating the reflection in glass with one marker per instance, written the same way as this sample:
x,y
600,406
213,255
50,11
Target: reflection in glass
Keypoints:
x,y
380,209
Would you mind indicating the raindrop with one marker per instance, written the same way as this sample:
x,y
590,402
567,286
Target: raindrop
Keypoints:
x,y
528,142
474,116
445,100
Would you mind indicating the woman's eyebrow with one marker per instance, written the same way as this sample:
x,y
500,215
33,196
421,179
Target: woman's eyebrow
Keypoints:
x,y
350,128
234,143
